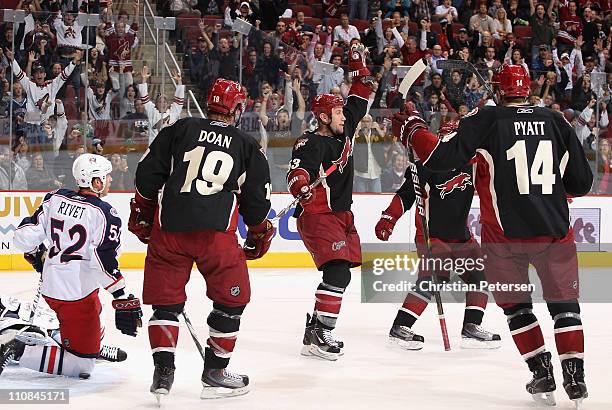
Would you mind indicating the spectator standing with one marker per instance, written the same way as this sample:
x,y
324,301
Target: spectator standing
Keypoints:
x,y
369,156
541,26
128,100
120,42
159,114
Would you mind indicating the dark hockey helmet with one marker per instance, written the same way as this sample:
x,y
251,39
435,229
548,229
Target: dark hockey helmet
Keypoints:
x,y
324,103
227,97
513,81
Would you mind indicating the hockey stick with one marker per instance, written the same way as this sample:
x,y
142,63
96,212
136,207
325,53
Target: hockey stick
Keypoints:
x,y
414,73
194,336
469,67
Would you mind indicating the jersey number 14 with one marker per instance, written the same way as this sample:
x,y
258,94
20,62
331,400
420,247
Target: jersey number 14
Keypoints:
x,y
541,170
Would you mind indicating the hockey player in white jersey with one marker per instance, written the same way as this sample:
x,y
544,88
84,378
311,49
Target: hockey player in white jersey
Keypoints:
x,y
84,235
41,93
159,115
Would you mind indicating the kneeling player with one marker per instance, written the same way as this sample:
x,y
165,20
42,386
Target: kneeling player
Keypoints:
x,y
448,197
85,234
208,172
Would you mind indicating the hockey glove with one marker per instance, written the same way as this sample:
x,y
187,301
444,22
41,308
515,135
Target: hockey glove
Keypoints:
x,y
128,315
299,186
357,62
404,125
388,219
258,240
37,258
142,212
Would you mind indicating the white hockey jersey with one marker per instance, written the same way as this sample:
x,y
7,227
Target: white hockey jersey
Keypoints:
x,y
40,96
67,36
85,236
99,110
157,120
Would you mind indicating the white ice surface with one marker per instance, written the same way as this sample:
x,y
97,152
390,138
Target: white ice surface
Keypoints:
x,y
370,375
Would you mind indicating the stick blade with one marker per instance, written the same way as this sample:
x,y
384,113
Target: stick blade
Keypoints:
x,y
412,75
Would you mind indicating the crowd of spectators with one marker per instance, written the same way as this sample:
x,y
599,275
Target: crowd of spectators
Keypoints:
x,y
64,102
565,45
298,49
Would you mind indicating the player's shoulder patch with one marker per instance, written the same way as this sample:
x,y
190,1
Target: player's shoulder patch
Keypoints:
x,y
300,142
471,113
114,212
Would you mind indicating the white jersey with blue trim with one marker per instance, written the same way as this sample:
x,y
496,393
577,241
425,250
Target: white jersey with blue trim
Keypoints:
x,y
84,237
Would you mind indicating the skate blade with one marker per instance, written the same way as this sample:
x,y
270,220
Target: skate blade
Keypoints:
x,y
159,393
471,343
313,350
412,345
578,403
213,392
545,399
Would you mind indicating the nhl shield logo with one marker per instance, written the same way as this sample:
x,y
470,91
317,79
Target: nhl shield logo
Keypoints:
x,y
235,290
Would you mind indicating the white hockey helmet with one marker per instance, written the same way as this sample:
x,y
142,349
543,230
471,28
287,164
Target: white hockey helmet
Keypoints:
x,y
86,167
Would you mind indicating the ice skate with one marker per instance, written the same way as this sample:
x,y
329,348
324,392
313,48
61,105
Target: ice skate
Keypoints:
x,y
474,336
219,383
322,343
10,351
112,354
306,341
405,338
542,386
163,377
573,380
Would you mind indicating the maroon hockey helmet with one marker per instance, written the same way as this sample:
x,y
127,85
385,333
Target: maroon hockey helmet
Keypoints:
x,y
227,97
513,81
324,103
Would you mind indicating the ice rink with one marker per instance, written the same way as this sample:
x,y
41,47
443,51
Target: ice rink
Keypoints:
x,y
369,375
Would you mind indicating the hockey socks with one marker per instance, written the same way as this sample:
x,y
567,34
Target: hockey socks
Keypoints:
x,y
163,333
412,308
328,300
223,323
569,336
525,330
475,304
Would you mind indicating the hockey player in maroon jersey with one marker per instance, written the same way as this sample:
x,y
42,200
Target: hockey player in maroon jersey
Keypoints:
x,y
448,198
529,160
325,221
208,172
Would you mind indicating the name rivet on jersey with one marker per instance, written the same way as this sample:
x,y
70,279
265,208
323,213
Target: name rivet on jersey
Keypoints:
x,y
213,138
529,127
